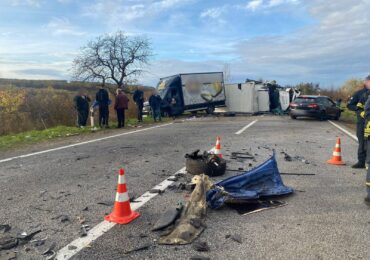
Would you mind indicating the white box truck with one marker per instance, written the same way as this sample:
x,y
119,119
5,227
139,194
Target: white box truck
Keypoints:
x,y
247,97
192,92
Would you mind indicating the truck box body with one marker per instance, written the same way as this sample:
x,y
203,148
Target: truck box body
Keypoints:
x,y
192,92
247,98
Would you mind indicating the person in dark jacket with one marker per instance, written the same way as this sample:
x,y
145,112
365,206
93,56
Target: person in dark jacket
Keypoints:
x,y
139,100
356,103
155,102
120,105
367,138
102,97
81,102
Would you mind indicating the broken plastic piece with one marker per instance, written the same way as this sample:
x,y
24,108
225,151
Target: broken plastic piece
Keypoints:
x,y
168,218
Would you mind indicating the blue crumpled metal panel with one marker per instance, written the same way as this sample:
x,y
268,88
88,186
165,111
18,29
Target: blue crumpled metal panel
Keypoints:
x,y
262,182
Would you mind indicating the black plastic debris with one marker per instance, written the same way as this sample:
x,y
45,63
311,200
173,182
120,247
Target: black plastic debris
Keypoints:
x,y
106,203
258,206
7,241
208,164
241,155
139,248
237,238
199,257
201,246
159,191
48,249
168,218
4,228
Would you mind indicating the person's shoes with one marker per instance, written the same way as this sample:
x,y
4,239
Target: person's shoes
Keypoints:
x,y
367,201
359,165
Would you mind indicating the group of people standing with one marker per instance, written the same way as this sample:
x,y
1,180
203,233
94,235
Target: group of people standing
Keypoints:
x,y
102,100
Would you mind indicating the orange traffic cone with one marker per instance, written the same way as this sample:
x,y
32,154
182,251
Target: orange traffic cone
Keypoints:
x,y
122,213
217,149
337,157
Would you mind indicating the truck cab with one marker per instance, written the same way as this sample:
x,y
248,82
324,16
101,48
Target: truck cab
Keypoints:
x,y
171,93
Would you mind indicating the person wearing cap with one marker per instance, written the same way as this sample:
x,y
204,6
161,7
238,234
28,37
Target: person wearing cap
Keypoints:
x,y
367,138
357,103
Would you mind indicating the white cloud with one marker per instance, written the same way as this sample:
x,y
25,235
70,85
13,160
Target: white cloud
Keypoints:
x,y
213,13
266,4
62,26
254,4
331,50
32,3
118,11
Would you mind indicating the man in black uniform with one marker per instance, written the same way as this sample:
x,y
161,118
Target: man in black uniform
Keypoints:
x,y
102,97
139,100
367,138
82,106
357,104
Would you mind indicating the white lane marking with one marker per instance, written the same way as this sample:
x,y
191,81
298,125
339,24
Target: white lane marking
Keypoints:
x,y
344,130
77,245
82,143
246,127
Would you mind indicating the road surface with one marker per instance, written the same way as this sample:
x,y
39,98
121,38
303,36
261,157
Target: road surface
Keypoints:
x,y
325,218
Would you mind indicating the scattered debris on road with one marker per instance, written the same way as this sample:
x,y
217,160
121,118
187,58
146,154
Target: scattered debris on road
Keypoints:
x,y
201,246
258,206
168,218
235,237
139,248
185,231
209,164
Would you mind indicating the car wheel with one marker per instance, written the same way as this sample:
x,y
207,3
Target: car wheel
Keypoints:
x,y
322,116
293,117
336,118
210,110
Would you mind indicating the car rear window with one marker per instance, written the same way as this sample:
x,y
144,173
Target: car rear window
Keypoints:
x,y
305,100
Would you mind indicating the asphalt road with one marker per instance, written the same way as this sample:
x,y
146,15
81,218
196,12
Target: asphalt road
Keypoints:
x,y
325,218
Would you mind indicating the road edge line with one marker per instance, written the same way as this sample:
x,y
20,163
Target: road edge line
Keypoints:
x,y
246,127
354,137
100,229
81,143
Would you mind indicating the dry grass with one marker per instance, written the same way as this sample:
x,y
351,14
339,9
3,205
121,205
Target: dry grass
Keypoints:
x,y
41,109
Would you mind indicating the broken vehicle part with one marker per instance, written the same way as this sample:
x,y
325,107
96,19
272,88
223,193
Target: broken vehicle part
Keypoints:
x,y
4,228
209,164
168,218
254,207
7,241
262,182
140,248
201,246
185,231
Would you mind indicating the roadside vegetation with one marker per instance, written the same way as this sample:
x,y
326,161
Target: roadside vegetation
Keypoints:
x,y
36,136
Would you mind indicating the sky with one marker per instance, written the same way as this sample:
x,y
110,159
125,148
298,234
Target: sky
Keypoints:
x,y
290,41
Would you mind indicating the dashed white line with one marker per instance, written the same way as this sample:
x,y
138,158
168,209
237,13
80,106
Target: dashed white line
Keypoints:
x,y
344,131
77,245
246,127
82,143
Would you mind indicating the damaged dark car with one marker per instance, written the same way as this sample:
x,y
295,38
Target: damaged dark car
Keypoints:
x,y
319,107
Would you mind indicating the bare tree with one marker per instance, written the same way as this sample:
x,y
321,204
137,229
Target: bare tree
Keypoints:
x,y
117,59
